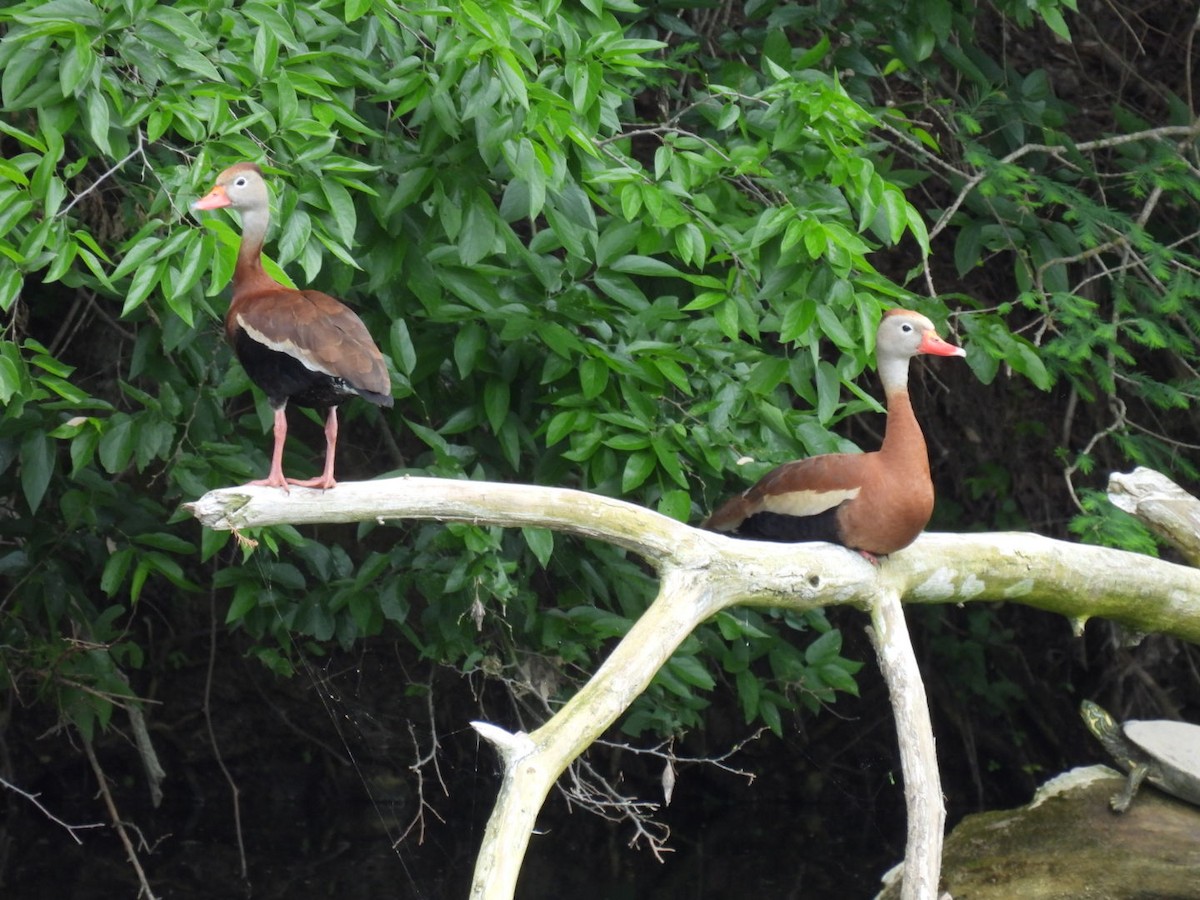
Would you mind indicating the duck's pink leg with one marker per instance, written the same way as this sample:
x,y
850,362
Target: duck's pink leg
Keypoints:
x,y
275,476
325,481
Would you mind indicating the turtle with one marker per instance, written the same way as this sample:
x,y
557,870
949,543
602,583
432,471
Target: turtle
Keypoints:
x,y
1165,753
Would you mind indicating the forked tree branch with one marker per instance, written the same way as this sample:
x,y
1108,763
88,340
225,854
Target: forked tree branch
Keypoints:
x,y
702,573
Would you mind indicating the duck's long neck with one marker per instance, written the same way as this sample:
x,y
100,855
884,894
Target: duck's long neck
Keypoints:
x,y
902,438
249,270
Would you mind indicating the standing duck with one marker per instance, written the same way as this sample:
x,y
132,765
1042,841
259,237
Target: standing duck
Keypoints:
x,y
875,503
299,346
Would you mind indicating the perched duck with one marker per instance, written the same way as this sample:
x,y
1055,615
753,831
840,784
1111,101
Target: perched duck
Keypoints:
x,y
299,346
875,503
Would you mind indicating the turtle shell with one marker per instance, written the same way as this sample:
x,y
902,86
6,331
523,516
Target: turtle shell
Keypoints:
x,y
1174,747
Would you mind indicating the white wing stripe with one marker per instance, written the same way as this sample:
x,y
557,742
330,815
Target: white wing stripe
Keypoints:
x,y
806,503
287,347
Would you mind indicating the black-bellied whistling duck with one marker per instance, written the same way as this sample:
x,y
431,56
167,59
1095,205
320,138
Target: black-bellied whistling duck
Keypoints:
x,y
299,346
875,503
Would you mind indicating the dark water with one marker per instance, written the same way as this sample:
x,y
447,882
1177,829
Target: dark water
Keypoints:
x,y
323,762
813,822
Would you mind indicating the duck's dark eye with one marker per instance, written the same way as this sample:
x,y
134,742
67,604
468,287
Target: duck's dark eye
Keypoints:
x,y
906,328
240,182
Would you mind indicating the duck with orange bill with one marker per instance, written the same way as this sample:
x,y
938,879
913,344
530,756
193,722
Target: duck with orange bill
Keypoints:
x,y
300,347
875,503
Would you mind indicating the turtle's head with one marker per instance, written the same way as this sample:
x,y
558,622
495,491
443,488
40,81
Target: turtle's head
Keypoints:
x,y
1098,721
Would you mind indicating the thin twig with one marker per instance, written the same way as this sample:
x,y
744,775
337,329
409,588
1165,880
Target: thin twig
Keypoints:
x,y
418,769
212,734
669,125
102,779
136,151
306,735
917,147
671,757
1187,64
33,798
1117,405
1166,131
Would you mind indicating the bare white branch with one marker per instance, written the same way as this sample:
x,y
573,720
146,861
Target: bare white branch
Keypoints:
x,y
1166,508
702,573
918,758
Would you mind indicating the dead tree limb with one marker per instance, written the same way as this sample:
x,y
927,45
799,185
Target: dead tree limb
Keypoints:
x,y
702,573
1166,508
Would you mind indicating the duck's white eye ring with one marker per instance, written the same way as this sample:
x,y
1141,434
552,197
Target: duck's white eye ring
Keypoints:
x,y
240,182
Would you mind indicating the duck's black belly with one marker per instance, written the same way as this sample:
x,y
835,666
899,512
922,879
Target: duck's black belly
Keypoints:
x,y
285,379
770,526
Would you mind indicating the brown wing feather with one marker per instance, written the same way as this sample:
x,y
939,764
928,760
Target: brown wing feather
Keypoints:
x,y
805,487
828,472
320,331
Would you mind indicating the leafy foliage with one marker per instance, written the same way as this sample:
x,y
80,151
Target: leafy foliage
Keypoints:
x,y
606,246
565,297
1083,228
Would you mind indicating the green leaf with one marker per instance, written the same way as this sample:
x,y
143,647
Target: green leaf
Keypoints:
x,y
749,691
116,444
76,12
1025,359
644,265
478,233
342,206
560,425
245,598
37,467
809,58
638,467
161,540
11,283
705,299
968,247
496,402
824,649
10,379
97,116
593,377
362,611
770,716
829,391
628,441
916,225
141,248
76,65
676,504
470,345
668,458
726,315
116,567
144,281
631,201
403,351
24,65
690,670
1054,18
356,9
541,542
838,678
140,573
192,266
83,448
392,602
211,542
